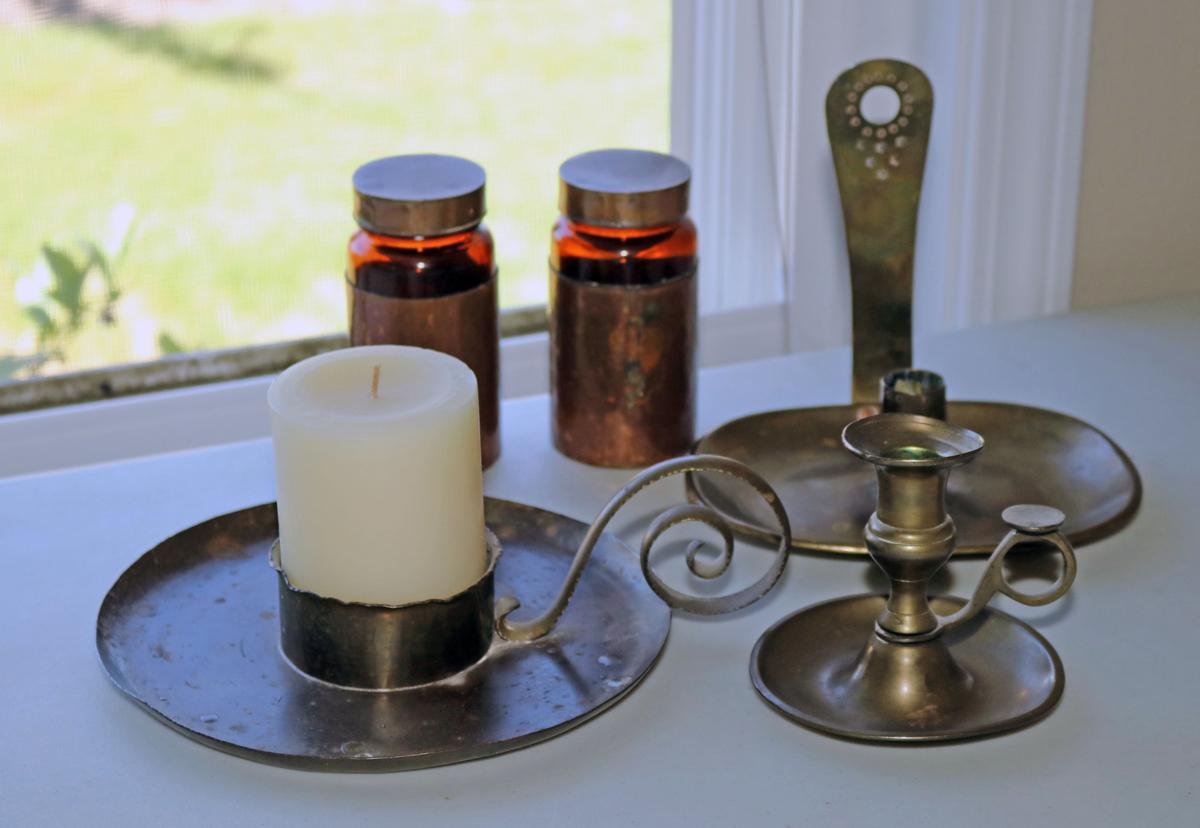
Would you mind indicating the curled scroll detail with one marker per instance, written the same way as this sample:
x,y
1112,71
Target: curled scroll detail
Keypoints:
x,y
534,628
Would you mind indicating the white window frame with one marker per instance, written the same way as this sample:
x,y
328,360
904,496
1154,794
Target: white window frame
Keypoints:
x,y
995,236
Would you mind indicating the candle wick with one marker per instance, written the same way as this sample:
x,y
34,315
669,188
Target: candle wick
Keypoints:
x,y
375,382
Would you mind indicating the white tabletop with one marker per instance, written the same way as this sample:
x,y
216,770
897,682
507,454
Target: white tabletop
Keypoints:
x,y
693,744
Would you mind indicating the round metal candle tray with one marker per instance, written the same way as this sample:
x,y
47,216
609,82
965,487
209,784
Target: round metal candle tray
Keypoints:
x,y
190,632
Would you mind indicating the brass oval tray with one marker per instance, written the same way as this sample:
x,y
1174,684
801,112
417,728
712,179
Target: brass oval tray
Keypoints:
x,y
1031,456
190,633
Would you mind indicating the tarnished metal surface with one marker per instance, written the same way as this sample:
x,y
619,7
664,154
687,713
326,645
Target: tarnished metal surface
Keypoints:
x,y
381,647
907,676
803,667
879,171
529,629
1033,455
461,324
190,632
623,370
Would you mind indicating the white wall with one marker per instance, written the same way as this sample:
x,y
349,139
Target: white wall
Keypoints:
x,y
1139,212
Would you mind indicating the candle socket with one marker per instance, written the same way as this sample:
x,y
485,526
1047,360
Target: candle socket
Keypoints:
x,y
382,646
914,391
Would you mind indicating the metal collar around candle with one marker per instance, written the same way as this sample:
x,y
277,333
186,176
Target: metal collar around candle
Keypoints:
x,y
382,646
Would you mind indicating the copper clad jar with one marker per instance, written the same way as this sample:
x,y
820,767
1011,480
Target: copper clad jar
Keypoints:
x,y
623,309
421,269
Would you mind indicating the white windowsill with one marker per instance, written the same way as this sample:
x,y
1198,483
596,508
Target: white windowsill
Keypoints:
x,y
231,412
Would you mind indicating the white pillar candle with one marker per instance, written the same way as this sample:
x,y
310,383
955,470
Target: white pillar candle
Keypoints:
x,y
380,493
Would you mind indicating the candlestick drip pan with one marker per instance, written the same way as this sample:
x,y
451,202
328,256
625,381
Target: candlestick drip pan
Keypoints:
x,y
1034,455
190,632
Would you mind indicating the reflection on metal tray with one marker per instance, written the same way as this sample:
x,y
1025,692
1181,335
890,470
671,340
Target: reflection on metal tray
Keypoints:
x,y
190,633
1031,456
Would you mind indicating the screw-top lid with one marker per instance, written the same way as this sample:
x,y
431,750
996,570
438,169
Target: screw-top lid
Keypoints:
x,y
624,188
418,195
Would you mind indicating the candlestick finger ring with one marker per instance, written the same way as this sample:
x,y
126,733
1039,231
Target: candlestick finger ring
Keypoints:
x,y
1029,523
1035,523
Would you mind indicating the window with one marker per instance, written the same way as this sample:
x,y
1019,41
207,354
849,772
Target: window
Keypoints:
x,y
746,82
176,175
997,220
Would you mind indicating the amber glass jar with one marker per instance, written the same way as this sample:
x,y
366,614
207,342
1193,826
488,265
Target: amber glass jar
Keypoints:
x,y
623,309
421,269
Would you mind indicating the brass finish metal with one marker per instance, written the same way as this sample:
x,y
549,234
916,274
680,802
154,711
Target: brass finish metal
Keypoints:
x,y
623,370
624,188
419,195
189,632
879,171
461,324
1033,454
908,678
531,629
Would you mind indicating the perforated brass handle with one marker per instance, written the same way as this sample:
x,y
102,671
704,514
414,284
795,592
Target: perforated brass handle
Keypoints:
x,y
879,171
1026,523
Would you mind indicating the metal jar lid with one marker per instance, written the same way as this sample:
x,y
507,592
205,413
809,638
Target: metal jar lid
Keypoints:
x,y
624,188
418,195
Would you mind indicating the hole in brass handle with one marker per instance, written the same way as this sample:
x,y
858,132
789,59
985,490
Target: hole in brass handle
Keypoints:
x,y
1058,588
880,105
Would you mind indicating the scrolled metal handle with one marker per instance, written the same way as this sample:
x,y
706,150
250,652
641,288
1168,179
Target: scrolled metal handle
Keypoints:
x,y
537,627
1026,523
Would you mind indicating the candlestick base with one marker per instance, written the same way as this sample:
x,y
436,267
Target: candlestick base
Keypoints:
x,y
190,633
826,668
